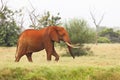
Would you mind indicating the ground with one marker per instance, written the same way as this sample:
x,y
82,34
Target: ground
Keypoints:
x,y
103,64
103,55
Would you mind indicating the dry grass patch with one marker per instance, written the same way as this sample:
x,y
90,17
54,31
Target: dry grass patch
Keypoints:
x,y
102,65
103,55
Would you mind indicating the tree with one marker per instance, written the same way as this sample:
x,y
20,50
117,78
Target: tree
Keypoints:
x,y
79,31
8,28
103,40
34,20
113,36
49,20
97,25
45,20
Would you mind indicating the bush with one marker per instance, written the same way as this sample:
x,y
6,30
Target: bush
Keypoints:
x,y
9,30
79,31
111,34
80,51
61,73
103,40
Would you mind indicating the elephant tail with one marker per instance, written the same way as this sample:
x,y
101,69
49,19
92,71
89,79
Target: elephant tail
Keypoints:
x,y
16,51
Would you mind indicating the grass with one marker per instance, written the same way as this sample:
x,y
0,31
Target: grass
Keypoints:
x,y
104,64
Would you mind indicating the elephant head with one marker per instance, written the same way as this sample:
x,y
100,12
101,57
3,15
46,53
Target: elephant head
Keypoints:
x,y
58,34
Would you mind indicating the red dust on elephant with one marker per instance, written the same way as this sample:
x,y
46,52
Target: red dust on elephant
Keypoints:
x,y
32,40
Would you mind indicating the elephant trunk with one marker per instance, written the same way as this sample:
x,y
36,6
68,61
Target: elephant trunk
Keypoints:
x,y
68,43
70,49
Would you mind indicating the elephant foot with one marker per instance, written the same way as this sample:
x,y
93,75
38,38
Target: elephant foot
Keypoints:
x,y
29,57
57,59
48,60
16,60
30,60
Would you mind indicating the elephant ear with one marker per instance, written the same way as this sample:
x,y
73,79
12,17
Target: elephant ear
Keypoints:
x,y
54,34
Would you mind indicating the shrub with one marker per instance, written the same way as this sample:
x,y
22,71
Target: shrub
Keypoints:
x,y
79,31
80,51
103,40
61,73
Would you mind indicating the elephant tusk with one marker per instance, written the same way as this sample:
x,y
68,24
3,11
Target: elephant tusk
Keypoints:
x,y
72,45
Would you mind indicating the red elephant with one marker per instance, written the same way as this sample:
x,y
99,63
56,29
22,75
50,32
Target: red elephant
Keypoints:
x,y
32,40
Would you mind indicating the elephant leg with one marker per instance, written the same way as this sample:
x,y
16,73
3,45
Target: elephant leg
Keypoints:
x,y
49,47
17,58
49,53
49,56
56,55
29,57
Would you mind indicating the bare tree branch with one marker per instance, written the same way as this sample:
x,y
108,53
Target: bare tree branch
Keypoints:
x,y
31,5
22,21
2,7
96,25
101,19
32,16
33,11
94,20
33,21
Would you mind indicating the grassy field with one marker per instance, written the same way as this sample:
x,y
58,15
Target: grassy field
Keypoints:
x,y
104,64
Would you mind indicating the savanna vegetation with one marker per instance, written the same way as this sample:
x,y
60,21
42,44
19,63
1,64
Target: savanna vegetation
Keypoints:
x,y
93,62
103,64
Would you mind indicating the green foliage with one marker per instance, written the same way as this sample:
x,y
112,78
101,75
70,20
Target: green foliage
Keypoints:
x,y
103,40
113,36
60,73
49,20
8,28
118,32
110,74
106,31
82,51
79,31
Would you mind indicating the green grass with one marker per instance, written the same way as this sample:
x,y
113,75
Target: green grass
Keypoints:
x,y
60,73
104,64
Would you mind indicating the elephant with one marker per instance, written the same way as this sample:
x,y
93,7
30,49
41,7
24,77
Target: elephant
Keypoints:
x,y
32,40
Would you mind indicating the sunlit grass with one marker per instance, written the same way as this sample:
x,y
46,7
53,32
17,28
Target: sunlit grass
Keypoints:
x,y
103,55
104,64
